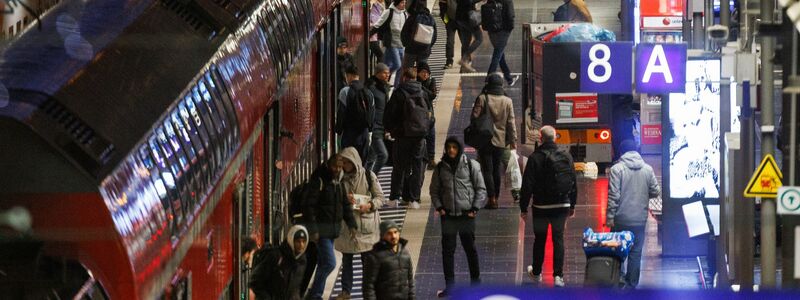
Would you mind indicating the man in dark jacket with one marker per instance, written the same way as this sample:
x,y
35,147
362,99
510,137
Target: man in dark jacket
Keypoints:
x,y
416,53
457,191
327,206
279,273
343,59
378,84
353,134
407,155
448,16
549,208
388,273
499,40
470,34
429,86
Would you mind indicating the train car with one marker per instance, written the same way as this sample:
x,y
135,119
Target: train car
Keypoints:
x,y
145,139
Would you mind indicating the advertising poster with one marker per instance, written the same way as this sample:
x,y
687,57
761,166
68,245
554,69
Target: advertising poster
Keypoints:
x,y
651,134
694,148
576,108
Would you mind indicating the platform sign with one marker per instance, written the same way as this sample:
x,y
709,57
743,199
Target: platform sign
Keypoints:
x,y
606,67
660,68
766,180
789,200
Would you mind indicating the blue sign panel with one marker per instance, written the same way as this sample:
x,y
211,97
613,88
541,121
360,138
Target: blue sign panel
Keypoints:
x,y
523,293
660,68
606,68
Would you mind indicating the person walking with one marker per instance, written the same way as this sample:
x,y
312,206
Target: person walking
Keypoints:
x,y
457,192
388,272
501,109
327,208
365,195
631,185
469,33
376,8
279,273
429,86
389,28
407,119
355,115
378,84
418,35
498,21
447,12
550,178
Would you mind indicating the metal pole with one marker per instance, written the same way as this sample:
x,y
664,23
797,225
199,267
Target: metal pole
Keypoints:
x,y
744,209
708,14
768,240
745,32
724,13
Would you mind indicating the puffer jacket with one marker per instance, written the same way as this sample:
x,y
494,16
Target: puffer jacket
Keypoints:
x,y
328,204
458,192
380,90
631,184
368,232
398,20
388,275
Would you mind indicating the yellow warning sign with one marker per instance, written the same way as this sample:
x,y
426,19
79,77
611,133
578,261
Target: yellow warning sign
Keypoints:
x,y
766,180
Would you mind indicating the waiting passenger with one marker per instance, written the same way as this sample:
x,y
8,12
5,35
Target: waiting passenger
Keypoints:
x,y
328,206
356,113
343,60
457,192
418,35
365,196
378,84
429,86
388,272
390,35
278,275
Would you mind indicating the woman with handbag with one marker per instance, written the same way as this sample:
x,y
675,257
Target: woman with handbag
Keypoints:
x,y
468,21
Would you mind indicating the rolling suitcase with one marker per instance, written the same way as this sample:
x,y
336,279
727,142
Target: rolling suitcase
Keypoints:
x,y
602,271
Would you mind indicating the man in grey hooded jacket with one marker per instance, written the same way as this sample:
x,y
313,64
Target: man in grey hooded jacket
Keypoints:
x,y
631,184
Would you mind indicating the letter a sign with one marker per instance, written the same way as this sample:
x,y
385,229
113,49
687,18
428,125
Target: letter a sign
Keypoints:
x,y
661,68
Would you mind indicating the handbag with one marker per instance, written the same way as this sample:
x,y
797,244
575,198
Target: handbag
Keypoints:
x,y
480,131
474,18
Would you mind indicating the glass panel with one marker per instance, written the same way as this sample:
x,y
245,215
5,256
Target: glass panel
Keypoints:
x,y
217,116
209,126
169,178
175,143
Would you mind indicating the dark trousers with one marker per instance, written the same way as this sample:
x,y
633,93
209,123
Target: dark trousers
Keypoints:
x,y
430,143
451,40
499,41
464,228
557,218
377,154
377,52
347,271
358,141
634,261
491,167
471,38
407,171
311,265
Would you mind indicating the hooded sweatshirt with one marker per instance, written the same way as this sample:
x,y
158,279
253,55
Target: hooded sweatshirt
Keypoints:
x,y
367,232
394,116
398,20
279,274
631,184
455,186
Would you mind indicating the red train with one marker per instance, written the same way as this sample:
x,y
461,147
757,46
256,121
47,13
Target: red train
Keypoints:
x,y
147,138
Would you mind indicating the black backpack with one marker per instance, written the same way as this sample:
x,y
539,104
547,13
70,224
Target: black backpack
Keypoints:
x,y
480,131
360,112
417,121
557,177
298,207
385,30
492,16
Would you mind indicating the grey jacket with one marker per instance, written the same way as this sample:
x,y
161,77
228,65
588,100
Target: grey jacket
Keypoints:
x,y
460,193
631,184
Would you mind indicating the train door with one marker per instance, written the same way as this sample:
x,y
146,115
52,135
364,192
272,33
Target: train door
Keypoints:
x,y
273,209
243,223
334,29
326,75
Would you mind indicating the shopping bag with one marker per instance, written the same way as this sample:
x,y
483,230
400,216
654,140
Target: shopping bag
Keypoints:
x,y
513,173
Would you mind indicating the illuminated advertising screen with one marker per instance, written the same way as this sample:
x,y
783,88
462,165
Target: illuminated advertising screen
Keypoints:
x,y
576,108
694,147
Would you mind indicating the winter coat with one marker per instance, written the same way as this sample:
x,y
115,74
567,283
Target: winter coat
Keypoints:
x,y
631,184
407,36
379,90
501,109
429,86
368,232
394,115
388,275
278,275
458,192
534,174
342,126
462,12
375,11
328,204
398,20
508,14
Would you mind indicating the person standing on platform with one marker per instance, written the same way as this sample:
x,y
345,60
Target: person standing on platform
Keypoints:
x,y
631,185
447,12
418,35
389,28
550,178
469,33
572,11
378,84
388,272
343,60
407,119
501,109
429,86
457,193
498,21
279,272
328,207
355,115
376,9
365,195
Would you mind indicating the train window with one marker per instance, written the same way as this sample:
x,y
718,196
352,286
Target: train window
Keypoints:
x,y
224,101
175,143
218,117
194,137
168,173
169,152
199,133
183,135
180,139
209,126
292,28
158,183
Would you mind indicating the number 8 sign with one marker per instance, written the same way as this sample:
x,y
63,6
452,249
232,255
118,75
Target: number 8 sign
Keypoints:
x,y
606,67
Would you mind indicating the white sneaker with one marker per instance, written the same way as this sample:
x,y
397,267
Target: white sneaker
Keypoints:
x,y
537,279
558,281
415,205
391,203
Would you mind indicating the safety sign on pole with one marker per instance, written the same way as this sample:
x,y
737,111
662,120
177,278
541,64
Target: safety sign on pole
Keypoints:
x,y
766,180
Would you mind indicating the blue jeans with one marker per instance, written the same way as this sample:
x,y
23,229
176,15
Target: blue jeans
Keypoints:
x,y
326,262
393,58
634,261
379,155
347,271
499,41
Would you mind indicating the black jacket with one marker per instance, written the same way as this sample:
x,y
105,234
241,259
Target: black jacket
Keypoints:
x,y
534,173
407,35
342,126
342,61
278,275
508,14
462,11
429,87
328,205
388,275
379,91
394,115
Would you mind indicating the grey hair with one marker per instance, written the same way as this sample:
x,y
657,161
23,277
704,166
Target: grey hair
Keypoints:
x,y
548,133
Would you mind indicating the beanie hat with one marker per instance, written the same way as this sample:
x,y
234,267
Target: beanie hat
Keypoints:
x,y
341,40
381,67
386,225
423,66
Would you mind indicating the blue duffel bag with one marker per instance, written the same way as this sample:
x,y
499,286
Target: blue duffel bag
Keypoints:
x,y
607,243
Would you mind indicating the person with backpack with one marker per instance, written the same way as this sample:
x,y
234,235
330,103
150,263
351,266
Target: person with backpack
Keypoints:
x,y
376,8
388,271
325,202
378,84
494,102
550,178
457,192
572,11
407,119
447,12
356,113
469,32
631,185
389,28
429,86
418,35
278,272
366,196
497,18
